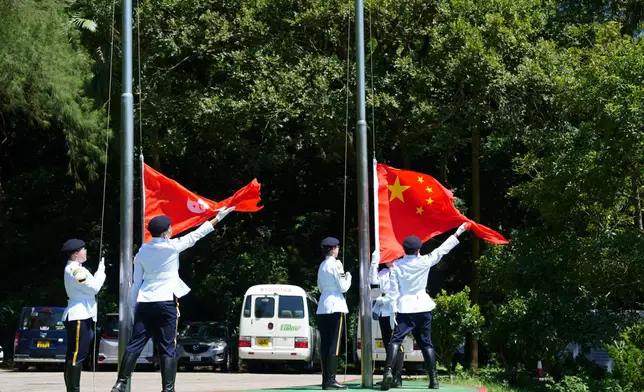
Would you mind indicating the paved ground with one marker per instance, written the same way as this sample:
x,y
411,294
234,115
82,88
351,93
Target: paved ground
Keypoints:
x,y
45,381
35,381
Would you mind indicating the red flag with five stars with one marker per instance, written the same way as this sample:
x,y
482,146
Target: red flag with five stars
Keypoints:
x,y
411,203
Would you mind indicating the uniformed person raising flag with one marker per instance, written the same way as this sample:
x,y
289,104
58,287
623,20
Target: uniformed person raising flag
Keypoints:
x,y
80,315
415,305
333,282
156,290
385,307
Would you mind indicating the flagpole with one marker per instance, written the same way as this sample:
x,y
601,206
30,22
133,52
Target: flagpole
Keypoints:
x,y
127,182
363,204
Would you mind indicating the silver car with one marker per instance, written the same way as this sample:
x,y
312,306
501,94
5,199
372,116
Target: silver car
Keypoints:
x,y
108,346
204,344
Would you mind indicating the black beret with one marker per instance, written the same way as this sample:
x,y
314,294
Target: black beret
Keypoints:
x,y
412,243
330,242
158,225
72,245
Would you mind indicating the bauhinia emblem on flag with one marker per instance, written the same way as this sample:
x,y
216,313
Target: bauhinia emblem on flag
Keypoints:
x,y
411,203
186,209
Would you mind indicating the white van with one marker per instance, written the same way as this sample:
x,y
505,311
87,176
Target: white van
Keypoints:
x,y
413,356
277,323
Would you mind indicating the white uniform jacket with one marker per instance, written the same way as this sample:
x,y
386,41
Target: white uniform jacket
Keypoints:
x,y
81,287
156,267
412,273
385,305
332,283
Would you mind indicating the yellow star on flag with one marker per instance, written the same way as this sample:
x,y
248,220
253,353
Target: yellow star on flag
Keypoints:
x,y
420,179
397,190
419,210
428,189
430,201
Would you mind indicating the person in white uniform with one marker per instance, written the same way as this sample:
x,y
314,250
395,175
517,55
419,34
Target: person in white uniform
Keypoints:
x,y
384,308
333,282
80,315
415,305
156,290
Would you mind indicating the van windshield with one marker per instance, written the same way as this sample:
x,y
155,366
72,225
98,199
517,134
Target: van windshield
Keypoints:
x,y
291,307
264,307
43,319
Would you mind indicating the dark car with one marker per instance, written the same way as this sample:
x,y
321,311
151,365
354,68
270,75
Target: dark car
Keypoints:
x,y
40,337
205,343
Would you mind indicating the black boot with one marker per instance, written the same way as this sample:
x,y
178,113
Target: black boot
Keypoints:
x,y
125,371
400,361
168,373
430,363
72,377
323,366
393,349
331,369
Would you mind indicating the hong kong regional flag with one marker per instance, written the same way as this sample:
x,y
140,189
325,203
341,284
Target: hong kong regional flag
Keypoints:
x,y
411,203
186,209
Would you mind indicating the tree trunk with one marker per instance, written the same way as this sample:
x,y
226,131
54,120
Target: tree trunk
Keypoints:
x,y
473,347
637,199
442,174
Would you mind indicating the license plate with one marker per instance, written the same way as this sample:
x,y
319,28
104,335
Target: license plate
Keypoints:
x,y
42,344
263,342
380,344
195,358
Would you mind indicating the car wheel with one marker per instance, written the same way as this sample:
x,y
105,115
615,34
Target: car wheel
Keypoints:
x,y
22,367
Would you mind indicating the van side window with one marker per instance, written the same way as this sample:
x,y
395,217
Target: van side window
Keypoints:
x,y
264,307
291,307
312,308
247,305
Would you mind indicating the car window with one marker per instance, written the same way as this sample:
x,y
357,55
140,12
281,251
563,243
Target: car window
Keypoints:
x,y
43,320
207,331
264,307
111,326
291,307
247,306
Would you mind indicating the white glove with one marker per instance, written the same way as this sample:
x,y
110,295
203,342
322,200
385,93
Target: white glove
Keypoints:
x,y
101,264
223,212
461,229
375,257
347,275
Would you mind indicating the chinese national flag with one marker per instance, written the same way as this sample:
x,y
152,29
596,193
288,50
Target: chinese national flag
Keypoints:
x,y
411,203
186,209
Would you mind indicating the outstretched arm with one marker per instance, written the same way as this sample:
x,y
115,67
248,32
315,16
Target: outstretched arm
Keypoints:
x,y
437,254
189,240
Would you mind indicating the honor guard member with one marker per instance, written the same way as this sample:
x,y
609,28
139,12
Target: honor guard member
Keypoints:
x,y
80,315
333,282
415,305
384,309
156,289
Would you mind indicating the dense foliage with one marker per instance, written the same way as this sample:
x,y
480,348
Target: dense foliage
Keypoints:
x,y
536,106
